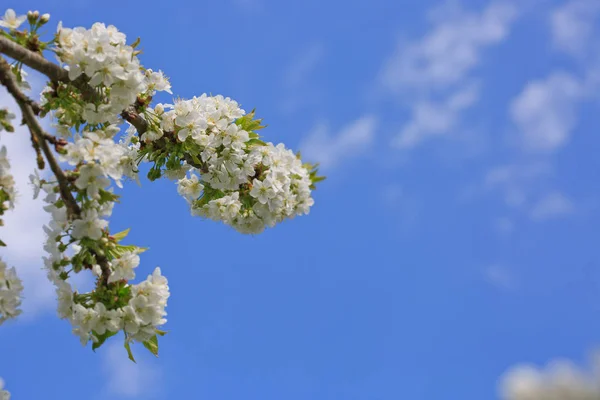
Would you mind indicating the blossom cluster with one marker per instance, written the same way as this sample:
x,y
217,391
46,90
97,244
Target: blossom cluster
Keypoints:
x,y
224,170
561,380
4,394
115,304
11,289
109,64
78,236
208,145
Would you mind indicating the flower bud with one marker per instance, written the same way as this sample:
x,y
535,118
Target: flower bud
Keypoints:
x,y
31,18
159,109
44,18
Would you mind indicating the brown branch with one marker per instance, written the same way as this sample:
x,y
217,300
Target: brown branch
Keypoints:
x,y
33,60
7,79
134,118
57,73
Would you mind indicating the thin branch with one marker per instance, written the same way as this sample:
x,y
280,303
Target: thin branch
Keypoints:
x,y
7,79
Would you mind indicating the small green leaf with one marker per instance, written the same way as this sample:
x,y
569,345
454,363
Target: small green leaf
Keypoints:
x,y
129,353
136,43
121,235
2,244
120,250
152,345
160,333
102,339
257,142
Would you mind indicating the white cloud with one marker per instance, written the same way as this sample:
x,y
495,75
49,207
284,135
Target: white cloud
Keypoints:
x,y
436,119
504,225
524,188
545,111
299,92
403,206
552,205
500,277
23,232
440,64
125,378
304,64
574,25
332,149
516,182
450,51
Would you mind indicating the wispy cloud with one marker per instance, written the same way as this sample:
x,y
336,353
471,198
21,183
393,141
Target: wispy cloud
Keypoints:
x,y
440,64
504,225
127,379
525,189
351,141
517,183
402,205
435,119
552,205
500,276
296,78
545,112
451,50
300,69
574,25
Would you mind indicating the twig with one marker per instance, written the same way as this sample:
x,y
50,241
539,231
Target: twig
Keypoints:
x,y
7,79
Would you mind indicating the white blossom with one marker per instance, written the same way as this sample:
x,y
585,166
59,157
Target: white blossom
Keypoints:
x,y
11,289
10,19
89,225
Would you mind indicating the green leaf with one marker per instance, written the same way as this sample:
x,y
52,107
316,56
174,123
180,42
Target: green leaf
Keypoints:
x,y
121,235
136,43
2,244
257,142
248,123
152,345
160,333
102,339
120,250
128,348
106,196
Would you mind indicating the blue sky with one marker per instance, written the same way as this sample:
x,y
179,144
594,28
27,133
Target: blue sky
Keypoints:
x,y
455,236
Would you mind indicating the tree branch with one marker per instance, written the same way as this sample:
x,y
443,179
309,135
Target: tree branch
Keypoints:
x,y
57,73
134,118
33,60
7,79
